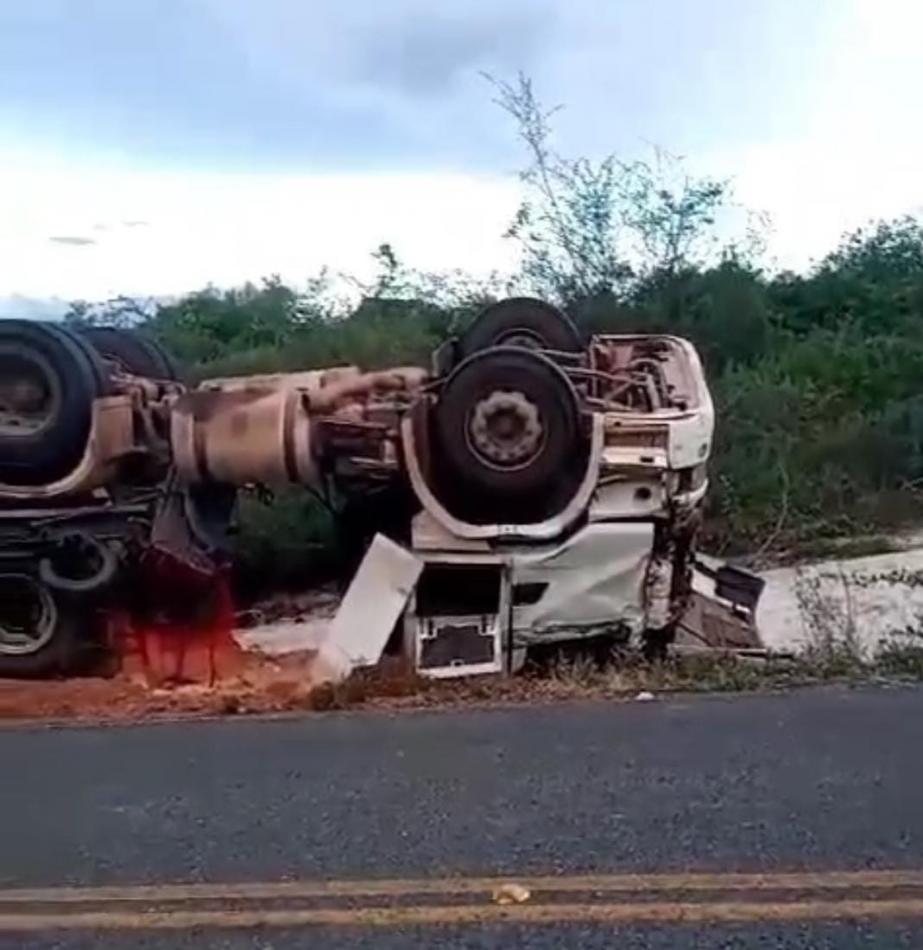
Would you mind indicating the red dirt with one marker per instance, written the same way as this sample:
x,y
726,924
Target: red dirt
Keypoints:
x,y
259,685
165,668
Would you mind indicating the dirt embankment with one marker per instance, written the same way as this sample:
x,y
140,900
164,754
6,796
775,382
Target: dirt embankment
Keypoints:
x,y
258,685
285,685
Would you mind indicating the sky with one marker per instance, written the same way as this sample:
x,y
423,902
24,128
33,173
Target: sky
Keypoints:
x,y
150,147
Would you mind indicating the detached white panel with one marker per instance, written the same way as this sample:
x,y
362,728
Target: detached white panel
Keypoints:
x,y
369,611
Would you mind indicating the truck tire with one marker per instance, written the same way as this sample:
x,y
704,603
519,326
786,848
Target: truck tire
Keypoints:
x,y
98,368
78,563
48,381
38,635
508,425
521,322
134,352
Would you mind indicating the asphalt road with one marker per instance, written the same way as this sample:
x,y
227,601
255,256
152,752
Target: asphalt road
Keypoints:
x,y
820,781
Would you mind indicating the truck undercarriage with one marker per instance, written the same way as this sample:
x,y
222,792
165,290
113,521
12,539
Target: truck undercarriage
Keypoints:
x,y
550,486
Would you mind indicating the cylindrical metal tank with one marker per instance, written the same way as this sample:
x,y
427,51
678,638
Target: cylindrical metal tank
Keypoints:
x,y
264,428
247,434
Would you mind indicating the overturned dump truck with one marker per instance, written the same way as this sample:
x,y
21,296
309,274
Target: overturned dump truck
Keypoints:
x,y
546,486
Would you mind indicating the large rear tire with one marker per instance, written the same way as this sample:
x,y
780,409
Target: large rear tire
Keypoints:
x,y
522,322
132,351
508,425
48,381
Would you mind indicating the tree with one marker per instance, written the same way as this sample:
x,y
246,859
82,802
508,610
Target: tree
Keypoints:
x,y
669,213
568,221
589,228
121,311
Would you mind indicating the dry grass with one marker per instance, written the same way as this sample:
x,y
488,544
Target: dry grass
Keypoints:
x,y
285,686
620,677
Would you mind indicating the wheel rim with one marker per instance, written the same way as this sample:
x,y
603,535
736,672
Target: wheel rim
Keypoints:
x,y
505,430
28,615
29,392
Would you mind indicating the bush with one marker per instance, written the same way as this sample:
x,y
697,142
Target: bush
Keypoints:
x,y
816,376
287,540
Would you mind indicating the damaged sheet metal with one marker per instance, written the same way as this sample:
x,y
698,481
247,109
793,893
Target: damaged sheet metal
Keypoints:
x,y
370,610
721,613
592,583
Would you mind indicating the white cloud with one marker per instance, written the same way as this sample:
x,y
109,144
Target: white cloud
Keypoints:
x,y
204,228
812,108
70,233
846,150
815,193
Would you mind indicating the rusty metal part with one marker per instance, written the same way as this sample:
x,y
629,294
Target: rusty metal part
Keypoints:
x,y
306,380
505,429
646,373
361,387
670,363
147,392
151,402
357,446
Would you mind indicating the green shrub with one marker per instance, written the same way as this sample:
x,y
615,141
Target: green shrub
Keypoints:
x,y
817,378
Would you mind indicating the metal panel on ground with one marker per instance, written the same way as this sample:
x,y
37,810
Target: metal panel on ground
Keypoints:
x,y
371,608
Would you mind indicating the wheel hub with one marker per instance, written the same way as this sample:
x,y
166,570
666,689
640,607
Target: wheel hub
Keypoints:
x,y
505,429
27,401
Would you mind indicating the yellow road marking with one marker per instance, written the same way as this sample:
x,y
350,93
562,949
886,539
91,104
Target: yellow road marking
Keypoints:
x,y
602,883
611,913
723,897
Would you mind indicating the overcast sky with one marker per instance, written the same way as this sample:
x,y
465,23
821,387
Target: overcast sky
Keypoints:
x,y
152,146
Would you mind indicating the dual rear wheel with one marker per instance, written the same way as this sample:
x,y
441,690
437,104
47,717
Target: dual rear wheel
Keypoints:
x,y
49,377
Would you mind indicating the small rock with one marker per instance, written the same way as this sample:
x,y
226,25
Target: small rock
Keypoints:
x,y
511,894
644,696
